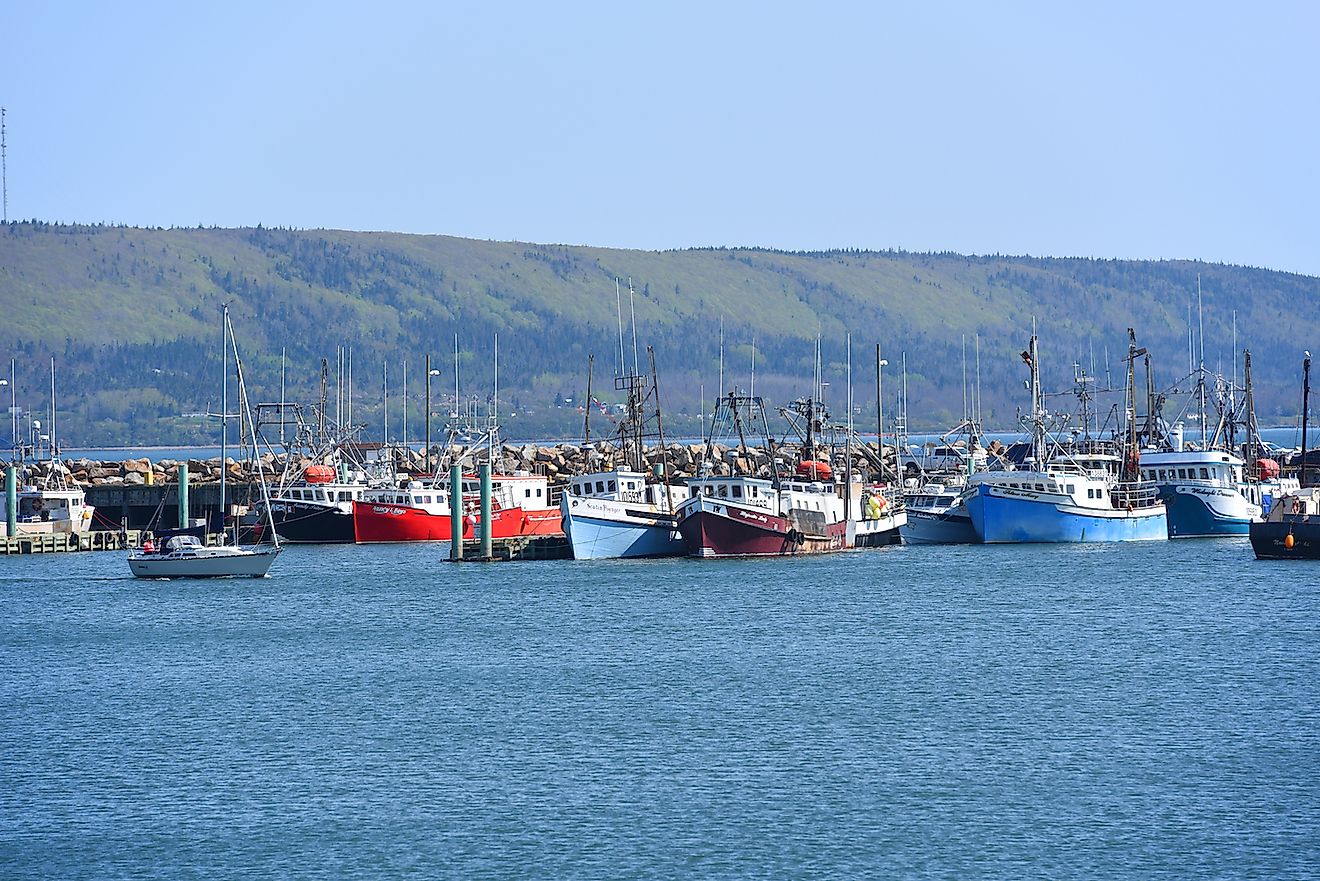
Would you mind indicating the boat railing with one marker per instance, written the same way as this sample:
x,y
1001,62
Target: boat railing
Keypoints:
x,y
1134,494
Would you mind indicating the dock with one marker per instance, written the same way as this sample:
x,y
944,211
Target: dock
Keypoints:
x,y
522,547
69,542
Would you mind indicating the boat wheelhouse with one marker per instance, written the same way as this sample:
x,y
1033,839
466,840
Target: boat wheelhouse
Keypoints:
x,y
51,509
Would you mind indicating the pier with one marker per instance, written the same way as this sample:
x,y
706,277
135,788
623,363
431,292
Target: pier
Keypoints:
x,y
522,547
69,542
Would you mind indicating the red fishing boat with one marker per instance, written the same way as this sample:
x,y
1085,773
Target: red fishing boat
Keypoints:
x,y
420,512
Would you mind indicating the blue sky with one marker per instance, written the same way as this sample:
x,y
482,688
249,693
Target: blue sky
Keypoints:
x,y
1107,130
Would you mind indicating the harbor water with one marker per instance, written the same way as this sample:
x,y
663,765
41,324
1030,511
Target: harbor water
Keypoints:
x,y
1084,711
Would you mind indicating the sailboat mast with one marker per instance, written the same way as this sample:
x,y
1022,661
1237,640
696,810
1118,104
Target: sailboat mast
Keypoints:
x,y
224,410
54,449
245,407
847,442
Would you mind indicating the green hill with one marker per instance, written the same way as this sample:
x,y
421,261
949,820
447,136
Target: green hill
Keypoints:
x,y
131,317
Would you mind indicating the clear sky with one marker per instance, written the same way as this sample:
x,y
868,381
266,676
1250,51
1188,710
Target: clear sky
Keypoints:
x,y
1106,129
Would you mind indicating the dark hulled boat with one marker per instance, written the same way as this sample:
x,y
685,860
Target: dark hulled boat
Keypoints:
x,y
1291,531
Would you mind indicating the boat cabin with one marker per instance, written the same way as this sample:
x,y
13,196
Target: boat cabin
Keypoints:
x,y
1209,468
754,492
619,485
323,493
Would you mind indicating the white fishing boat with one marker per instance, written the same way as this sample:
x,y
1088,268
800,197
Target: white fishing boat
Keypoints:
x,y
182,553
618,514
621,512
54,507
52,502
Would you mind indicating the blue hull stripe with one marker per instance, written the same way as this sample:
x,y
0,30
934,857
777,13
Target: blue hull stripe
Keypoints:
x,y
1189,515
1005,520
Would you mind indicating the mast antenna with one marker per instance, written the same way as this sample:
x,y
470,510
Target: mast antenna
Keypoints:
x,y
632,308
618,309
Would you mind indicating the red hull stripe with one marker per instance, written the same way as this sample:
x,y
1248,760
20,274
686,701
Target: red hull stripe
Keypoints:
x,y
379,522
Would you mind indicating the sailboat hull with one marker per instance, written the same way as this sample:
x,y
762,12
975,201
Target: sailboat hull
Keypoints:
x,y
216,562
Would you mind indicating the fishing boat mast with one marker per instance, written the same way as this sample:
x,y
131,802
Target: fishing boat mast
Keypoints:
x,y
1253,431
1306,406
1132,455
586,408
660,429
1037,418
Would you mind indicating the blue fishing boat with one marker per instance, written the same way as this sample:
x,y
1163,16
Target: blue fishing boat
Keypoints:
x,y
1213,491
937,514
1092,492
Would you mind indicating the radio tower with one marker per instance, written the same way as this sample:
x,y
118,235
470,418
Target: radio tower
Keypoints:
x,y
4,167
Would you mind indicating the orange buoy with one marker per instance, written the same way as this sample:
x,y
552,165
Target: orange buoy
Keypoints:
x,y
815,470
319,474
1289,541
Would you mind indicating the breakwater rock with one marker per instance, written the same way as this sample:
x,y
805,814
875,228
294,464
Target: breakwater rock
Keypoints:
x,y
559,462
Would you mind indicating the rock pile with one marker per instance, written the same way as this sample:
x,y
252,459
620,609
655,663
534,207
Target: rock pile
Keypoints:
x,y
558,462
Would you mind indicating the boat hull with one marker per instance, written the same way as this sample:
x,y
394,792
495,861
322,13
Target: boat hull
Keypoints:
x,y
949,527
374,522
1269,540
603,529
1195,511
714,528
1012,519
222,562
879,532
306,523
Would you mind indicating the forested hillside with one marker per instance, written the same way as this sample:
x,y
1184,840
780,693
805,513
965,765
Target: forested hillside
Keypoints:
x,y
131,317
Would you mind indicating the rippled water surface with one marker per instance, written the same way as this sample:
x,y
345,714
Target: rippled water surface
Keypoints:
x,y
969,712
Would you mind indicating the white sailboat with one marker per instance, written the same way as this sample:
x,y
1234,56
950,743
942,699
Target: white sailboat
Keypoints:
x,y
182,554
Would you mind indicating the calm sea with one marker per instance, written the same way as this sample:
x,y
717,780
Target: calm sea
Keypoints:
x,y
1103,711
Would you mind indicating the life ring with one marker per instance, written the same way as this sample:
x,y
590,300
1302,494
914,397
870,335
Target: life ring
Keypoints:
x,y
1129,507
1296,506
